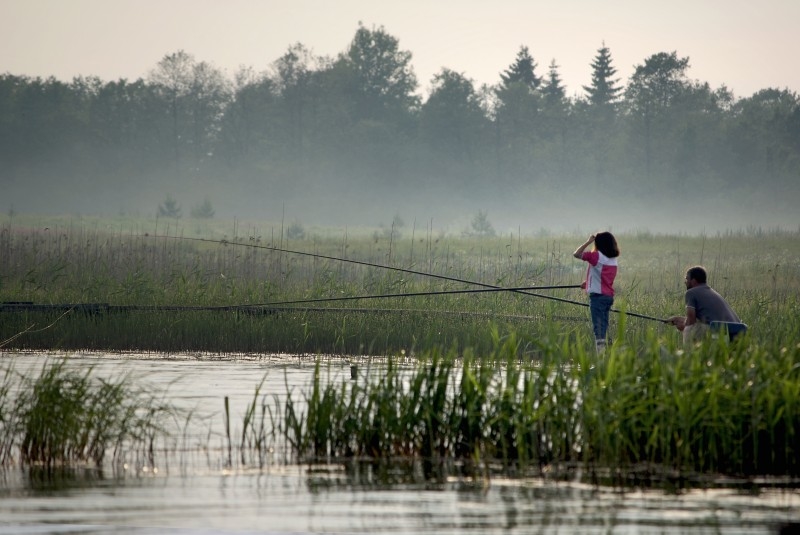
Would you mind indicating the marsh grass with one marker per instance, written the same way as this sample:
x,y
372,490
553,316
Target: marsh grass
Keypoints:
x,y
62,261
487,382
259,430
644,415
651,413
65,417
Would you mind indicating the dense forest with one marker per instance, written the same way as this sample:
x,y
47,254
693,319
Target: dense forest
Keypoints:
x,y
353,140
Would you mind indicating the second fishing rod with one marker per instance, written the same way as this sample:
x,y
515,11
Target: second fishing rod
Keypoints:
x,y
399,269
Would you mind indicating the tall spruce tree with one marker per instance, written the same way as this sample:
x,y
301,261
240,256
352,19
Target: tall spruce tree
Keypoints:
x,y
601,113
519,103
603,91
553,90
522,70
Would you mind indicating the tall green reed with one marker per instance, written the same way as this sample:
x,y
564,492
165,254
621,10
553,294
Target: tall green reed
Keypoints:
x,y
66,416
259,425
715,408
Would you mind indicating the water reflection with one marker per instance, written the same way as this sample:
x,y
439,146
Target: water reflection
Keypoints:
x,y
195,489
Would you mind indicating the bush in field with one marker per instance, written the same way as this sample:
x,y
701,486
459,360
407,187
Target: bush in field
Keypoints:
x,y
203,211
296,231
391,232
169,208
481,226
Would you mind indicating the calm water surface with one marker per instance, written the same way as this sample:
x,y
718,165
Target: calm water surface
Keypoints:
x,y
194,492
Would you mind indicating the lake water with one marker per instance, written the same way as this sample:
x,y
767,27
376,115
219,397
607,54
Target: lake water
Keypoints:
x,y
194,491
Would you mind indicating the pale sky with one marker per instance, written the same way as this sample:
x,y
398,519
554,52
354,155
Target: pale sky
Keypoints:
x,y
744,44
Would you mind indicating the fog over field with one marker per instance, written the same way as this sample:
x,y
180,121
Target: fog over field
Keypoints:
x,y
353,141
327,202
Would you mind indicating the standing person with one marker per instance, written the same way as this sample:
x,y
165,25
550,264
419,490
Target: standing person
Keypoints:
x,y
599,283
705,308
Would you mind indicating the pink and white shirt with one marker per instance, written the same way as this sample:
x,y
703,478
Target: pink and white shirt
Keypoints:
x,y
601,273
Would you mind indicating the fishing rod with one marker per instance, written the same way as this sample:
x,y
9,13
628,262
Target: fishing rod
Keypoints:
x,y
393,268
415,294
448,292
335,258
100,308
104,308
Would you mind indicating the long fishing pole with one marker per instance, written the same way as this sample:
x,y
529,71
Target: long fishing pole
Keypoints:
x,y
335,258
449,292
393,268
414,294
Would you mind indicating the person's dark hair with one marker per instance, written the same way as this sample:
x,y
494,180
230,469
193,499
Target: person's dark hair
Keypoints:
x,y
606,244
697,273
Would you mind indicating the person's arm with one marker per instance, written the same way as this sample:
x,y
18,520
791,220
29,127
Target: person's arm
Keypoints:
x,y
681,322
678,321
691,316
579,251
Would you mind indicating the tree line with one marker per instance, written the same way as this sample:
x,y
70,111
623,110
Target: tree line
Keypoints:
x,y
357,122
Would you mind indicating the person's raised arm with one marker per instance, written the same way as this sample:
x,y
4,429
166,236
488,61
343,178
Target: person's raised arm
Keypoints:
x,y
579,251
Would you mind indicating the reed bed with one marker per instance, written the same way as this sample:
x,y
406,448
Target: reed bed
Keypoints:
x,y
646,415
127,263
65,418
501,381
643,415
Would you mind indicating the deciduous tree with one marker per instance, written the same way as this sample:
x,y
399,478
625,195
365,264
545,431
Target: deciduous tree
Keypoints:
x,y
384,79
653,88
452,121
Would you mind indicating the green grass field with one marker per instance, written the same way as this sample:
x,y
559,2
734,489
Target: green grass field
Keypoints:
x,y
158,265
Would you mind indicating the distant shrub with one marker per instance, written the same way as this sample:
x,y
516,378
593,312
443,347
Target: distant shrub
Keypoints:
x,y
392,232
296,231
169,208
481,226
203,211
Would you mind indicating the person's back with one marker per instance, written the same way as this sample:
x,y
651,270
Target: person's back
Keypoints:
x,y
709,306
705,310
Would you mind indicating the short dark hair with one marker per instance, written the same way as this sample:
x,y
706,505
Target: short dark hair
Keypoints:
x,y
697,273
606,244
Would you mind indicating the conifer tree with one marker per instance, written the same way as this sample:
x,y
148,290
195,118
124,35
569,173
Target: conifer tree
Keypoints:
x,y
604,90
522,70
553,89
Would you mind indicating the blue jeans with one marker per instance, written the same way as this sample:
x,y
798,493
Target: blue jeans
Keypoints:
x,y
600,306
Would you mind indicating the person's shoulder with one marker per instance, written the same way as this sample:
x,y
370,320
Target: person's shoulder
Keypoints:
x,y
605,260
694,291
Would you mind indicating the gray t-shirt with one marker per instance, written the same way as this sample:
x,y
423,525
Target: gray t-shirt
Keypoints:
x,y
709,306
